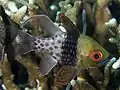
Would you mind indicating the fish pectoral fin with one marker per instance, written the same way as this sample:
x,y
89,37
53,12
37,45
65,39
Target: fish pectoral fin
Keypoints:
x,y
47,63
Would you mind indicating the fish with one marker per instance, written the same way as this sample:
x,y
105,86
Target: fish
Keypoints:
x,y
56,45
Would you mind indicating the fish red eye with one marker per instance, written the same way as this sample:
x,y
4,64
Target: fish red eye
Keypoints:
x,y
96,55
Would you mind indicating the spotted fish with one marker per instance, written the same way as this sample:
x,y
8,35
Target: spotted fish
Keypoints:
x,y
58,47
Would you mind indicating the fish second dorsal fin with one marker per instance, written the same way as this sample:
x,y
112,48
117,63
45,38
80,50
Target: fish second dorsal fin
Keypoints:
x,y
69,26
46,24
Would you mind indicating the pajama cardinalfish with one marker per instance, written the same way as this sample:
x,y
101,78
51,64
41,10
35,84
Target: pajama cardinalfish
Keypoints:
x,y
65,48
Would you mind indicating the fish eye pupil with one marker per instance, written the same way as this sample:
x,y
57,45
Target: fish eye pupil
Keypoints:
x,y
96,56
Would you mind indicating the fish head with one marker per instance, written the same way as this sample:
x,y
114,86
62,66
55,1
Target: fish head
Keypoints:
x,y
90,53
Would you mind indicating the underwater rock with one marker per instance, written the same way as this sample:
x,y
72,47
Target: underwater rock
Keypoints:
x,y
102,15
41,4
8,76
25,3
34,73
111,23
73,12
64,6
18,15
116,65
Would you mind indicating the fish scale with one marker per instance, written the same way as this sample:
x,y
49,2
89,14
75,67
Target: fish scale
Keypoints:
x,y
68,51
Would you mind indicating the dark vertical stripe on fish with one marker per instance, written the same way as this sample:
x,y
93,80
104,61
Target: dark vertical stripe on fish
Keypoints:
x,y
69,51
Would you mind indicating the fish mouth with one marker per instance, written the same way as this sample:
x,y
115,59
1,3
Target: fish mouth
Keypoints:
x,y
105,61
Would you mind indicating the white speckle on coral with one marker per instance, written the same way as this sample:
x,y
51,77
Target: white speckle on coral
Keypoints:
x,y
12,6
8,12
23,9
73,82
4,87
111,23
116,64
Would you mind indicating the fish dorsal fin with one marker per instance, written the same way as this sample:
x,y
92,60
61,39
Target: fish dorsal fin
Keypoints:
x,y
46,24
68,25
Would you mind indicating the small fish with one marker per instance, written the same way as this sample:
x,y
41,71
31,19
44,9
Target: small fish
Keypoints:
x,y
59,47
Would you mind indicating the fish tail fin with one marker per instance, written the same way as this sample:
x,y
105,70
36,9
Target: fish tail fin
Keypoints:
x,y
23,43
